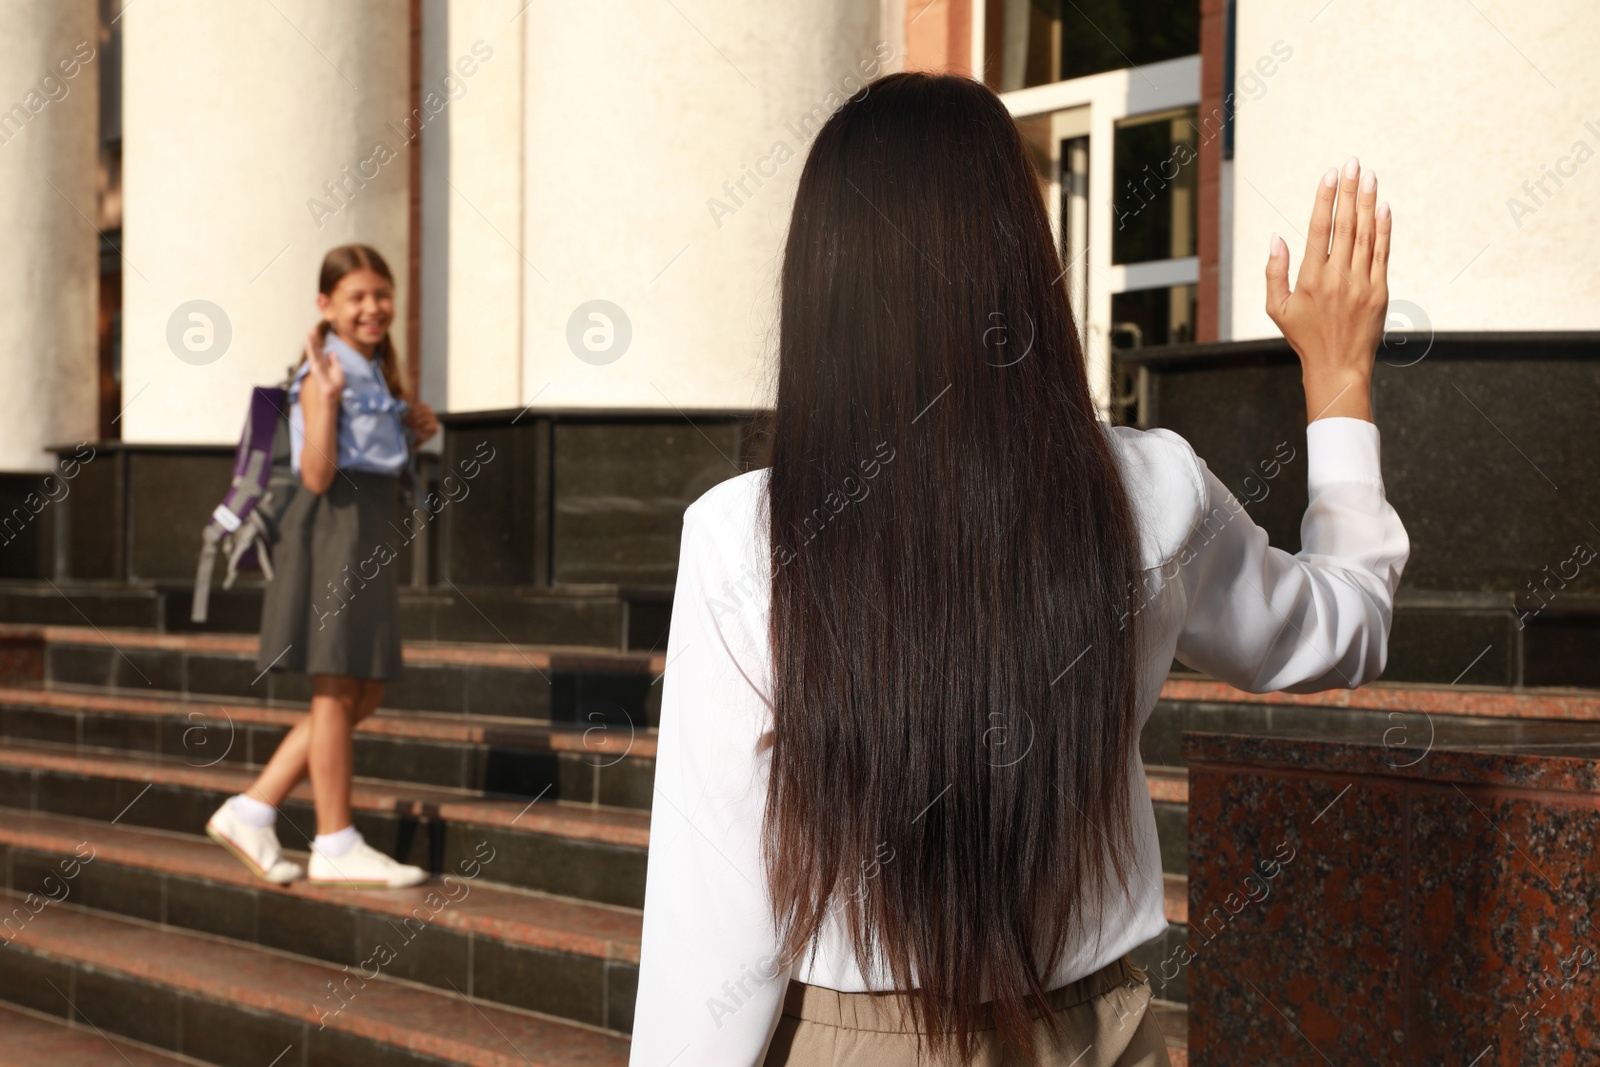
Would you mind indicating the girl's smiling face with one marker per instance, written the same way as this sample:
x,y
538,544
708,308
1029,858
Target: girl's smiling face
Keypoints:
x,y
360,308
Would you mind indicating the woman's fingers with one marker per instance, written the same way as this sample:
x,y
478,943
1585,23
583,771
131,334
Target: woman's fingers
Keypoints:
x,y
1344,217
1382,224
1321,227
1366,204
1277,277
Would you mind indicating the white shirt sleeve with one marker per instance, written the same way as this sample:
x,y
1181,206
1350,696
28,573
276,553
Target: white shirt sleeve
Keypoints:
x,y
1263,620
710,985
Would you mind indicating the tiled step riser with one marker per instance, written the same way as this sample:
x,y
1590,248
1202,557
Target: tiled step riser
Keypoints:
x,y
587,870
207,738
638,622
567,696
582,988
213,1030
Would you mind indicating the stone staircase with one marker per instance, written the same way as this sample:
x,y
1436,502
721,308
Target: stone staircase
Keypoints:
x,y
522,771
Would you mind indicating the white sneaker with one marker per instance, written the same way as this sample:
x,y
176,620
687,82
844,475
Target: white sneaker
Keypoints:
x,y
257,849
363,867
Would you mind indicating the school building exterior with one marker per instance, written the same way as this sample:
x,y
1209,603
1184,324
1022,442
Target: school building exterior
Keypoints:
x,y
585,205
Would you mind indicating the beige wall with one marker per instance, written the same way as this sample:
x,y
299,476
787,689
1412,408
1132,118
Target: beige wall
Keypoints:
x,y
1456,106
234,115
49,250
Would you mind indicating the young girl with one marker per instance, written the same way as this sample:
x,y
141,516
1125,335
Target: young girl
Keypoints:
x,y
331,608
899,805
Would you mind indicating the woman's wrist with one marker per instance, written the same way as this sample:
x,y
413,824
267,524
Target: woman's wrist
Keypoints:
x,y
1338,393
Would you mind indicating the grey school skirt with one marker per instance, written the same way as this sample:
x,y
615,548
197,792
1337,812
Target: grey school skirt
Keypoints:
x,y
1105,1022
333,606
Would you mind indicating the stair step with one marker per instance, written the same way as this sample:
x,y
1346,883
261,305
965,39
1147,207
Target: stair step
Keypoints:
x,y
604,763
567,958
573,850
572,683
208,997
28,1040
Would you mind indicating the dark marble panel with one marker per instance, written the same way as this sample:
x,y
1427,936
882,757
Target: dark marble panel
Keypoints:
x,y
31,724
26,512
497,534
622,990
1167,959
571,987
514,771
1445,646
1490,463
620,493
147,671
1562,650
1172,833
122,731
307,927
609,698
80,664
94,519
27,979
234,677
231,1036
608,874
427,689
77,605
476,614
501,691
626,783
414,948
648,624
412,760
127,1006
208,737
578,779
123,890
231,611
212,908
17,789
170,498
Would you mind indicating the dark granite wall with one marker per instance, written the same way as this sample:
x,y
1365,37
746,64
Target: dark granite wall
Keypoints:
x,y
1490,446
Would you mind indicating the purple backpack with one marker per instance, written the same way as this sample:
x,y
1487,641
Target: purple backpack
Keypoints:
x,y
245,524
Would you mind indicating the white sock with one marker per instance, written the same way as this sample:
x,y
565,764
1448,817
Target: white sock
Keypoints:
x,y
257,814
337,843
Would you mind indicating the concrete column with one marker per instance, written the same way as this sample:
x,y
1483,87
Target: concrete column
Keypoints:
x,y
256,137
660,155
49,126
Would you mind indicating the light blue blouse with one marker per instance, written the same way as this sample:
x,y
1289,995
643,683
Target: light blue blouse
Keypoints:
x,y
372,435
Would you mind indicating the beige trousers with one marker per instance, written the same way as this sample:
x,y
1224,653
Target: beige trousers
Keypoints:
x,y
1105,1022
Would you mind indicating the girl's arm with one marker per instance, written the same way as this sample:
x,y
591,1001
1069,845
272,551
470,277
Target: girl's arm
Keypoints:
x,y
320,393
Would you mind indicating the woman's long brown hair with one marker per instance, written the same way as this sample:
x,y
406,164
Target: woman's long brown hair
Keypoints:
x,y
335,265
954,689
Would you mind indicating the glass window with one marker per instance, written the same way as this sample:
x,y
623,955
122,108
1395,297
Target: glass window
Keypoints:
x,y
1032,42
1155,172
1147,317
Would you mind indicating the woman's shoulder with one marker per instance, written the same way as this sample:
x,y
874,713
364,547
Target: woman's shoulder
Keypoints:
x,y
733,504
1166,488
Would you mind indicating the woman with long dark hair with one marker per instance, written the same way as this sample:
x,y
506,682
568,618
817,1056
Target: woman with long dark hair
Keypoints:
x,y
901,815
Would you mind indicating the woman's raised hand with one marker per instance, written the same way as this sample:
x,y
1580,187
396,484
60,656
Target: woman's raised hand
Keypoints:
x,y
1334,317
325,370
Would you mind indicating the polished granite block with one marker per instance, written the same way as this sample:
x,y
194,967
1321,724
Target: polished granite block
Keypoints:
x,y
1419,894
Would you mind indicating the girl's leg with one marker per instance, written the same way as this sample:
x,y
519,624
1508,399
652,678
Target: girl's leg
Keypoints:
x,y
334,704
291,760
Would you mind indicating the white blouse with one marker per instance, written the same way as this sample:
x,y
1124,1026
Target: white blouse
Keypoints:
x,y
1216,595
